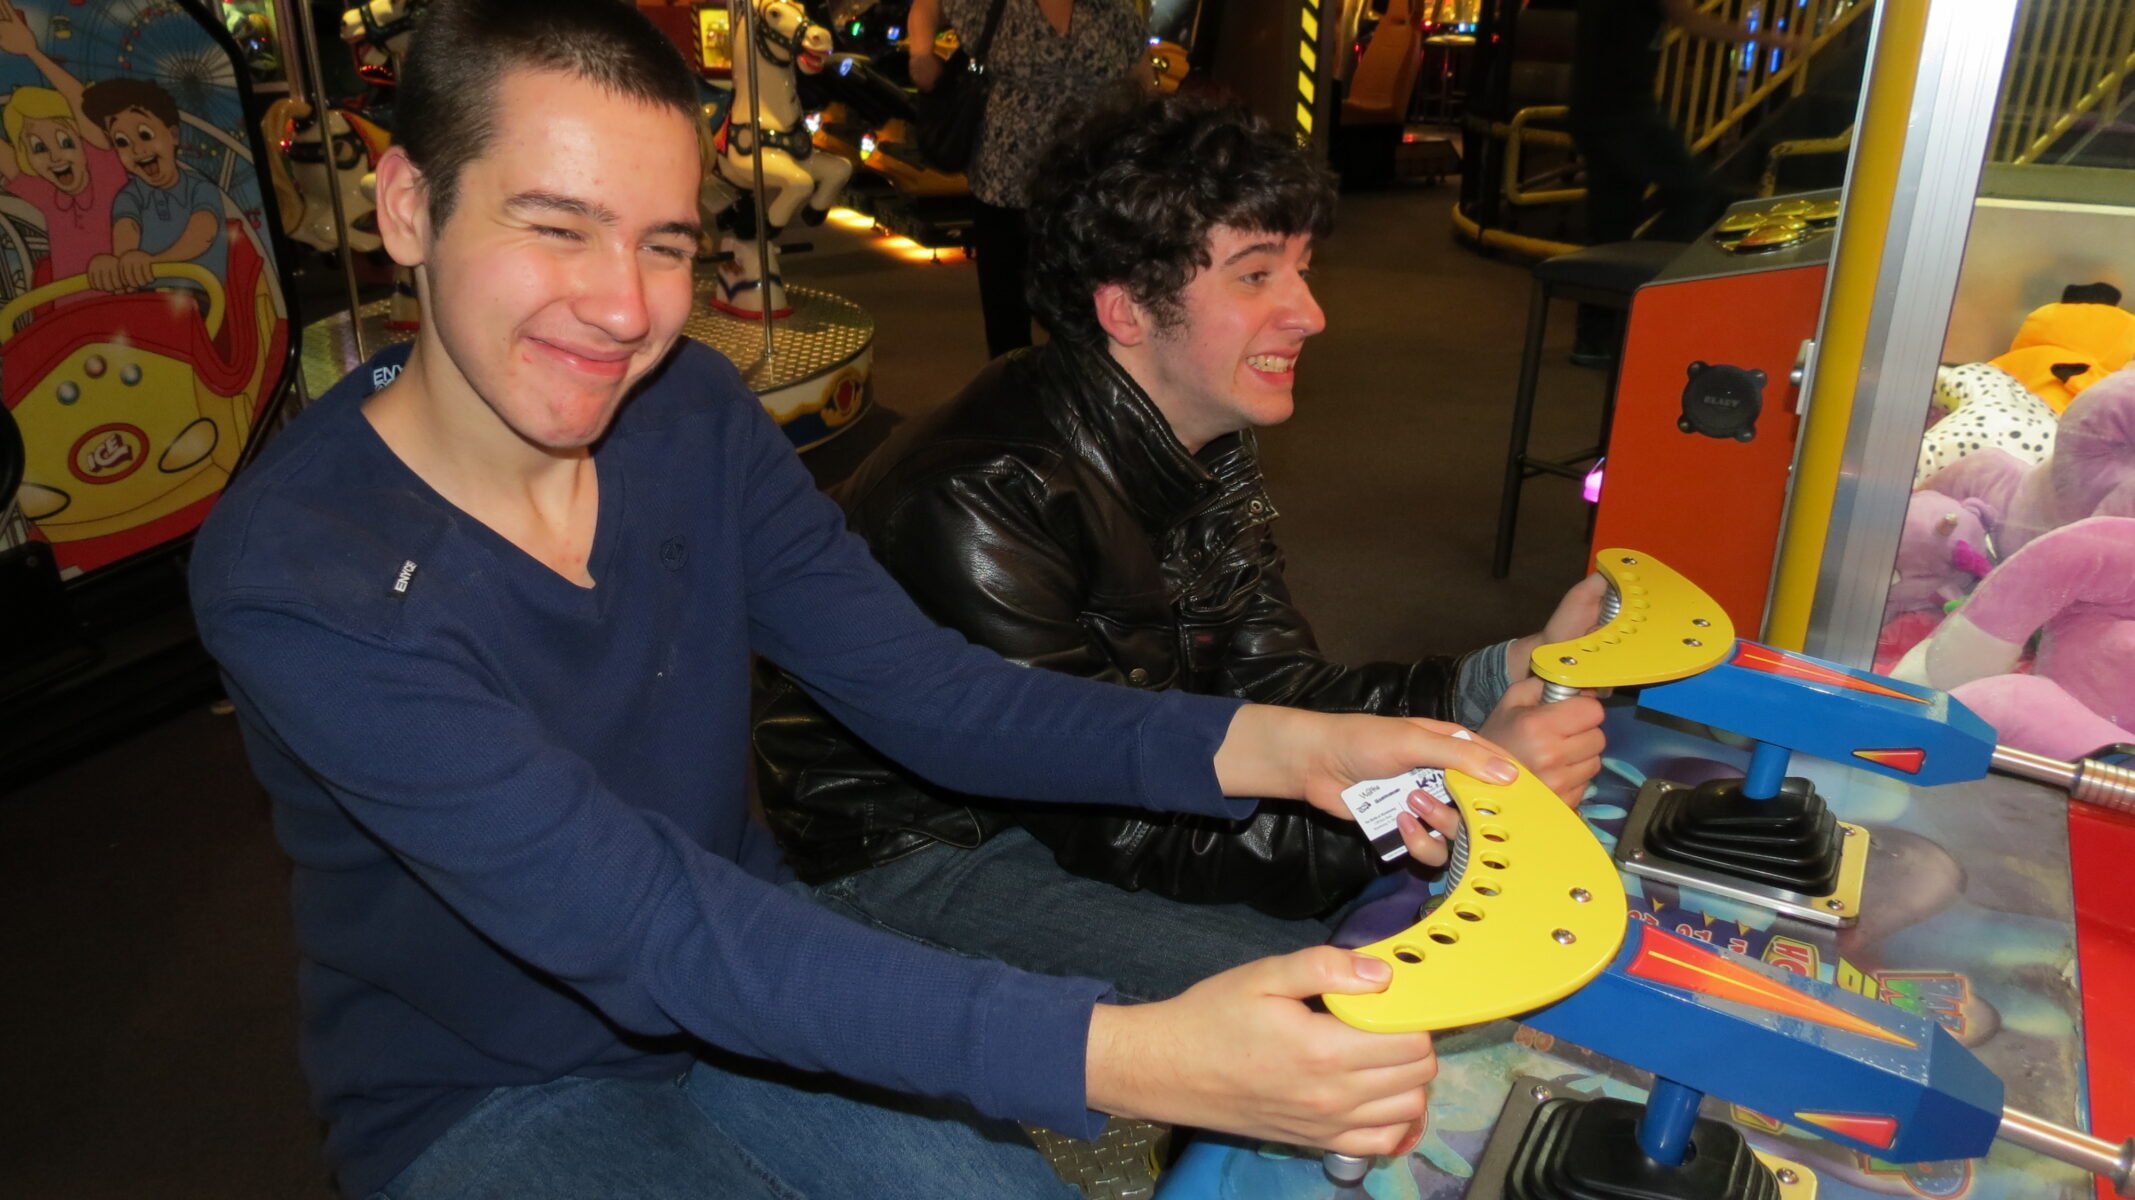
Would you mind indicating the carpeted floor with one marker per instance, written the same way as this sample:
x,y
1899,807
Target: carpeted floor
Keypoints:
x,y
149,1016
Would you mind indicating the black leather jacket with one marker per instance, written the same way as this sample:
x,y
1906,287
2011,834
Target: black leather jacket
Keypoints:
x,y
1049,512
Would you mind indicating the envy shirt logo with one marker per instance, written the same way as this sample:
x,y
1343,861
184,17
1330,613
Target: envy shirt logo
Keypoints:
x,y
381,376
400,582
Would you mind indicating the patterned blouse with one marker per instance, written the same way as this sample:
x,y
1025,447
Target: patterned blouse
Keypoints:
x,y
1042,81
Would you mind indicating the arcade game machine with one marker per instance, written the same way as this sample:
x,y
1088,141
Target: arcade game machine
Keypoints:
x,y
1910,868
1922,1037
1707,411
135,384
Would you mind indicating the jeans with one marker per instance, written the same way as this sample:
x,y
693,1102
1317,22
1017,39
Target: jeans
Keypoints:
x,y
1008,900
731,1127
732,1130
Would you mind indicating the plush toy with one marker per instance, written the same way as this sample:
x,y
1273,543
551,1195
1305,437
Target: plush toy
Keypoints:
x,y
2091,471
2063,348
1978,407
1941,555
2074,588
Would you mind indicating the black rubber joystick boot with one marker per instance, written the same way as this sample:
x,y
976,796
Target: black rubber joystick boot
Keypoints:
x,y
1790,841
1588,1150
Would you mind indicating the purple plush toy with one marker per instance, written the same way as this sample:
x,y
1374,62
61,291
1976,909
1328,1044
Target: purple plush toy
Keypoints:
x,y
2091,471
1941,555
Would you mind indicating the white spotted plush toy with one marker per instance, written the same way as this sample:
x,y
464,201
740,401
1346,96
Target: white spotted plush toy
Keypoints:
x,y
1984,408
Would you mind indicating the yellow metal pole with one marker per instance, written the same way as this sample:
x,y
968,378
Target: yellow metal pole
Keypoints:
x,y
2123,54
1855,276
2058,69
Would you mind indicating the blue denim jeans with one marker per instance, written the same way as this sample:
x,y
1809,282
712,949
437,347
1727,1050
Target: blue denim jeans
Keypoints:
x,y
733,1131
1009,900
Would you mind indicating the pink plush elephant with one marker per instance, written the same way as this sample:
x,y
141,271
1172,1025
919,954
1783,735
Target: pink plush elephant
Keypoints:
x,y
2074,587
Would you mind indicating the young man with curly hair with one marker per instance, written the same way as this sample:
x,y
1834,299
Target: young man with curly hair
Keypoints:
x,y
1094,506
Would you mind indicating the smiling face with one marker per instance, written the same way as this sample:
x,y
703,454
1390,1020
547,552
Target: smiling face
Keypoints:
x,y
1230,360
55,153
146,145
562,274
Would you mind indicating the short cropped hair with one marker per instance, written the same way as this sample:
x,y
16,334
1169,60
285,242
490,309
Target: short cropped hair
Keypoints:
x,y
1133,195
445,104
107,98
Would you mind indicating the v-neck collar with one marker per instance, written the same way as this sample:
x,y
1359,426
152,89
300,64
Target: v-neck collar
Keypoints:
x,y
542,579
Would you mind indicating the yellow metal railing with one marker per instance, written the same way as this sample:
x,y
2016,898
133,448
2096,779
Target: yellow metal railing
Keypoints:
x,y
1837,143
2069,58
1710,88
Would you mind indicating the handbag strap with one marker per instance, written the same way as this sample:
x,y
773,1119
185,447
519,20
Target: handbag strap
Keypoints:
x,y
993,21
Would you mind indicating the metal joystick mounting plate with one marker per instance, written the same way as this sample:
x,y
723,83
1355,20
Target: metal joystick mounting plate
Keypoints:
x,y
1838,908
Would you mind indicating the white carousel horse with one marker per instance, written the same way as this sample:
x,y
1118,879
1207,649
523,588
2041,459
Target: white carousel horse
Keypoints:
x,y
797,179
301,179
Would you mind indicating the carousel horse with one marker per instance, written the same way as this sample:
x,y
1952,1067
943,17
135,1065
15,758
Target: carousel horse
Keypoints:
x,y
796,178
301,178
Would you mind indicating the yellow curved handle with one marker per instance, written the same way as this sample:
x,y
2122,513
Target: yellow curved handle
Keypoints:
x,y
1667,628
80,283
1539,912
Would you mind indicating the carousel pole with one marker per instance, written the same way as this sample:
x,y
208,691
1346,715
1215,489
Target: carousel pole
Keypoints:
x,y
756,164
319,114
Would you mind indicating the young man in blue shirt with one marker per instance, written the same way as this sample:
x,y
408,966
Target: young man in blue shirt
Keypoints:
x,y
486,612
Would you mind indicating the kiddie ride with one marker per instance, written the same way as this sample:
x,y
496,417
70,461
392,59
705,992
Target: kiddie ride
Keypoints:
x,y
808,354
1535,925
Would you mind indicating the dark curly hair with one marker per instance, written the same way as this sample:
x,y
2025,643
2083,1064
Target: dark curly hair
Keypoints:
x,y
445,106
1133,195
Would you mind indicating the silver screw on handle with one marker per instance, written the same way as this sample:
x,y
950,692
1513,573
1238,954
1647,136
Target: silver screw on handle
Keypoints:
x,y
1346,1170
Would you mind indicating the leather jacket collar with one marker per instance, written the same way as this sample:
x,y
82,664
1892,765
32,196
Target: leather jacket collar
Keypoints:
x,y
1162,482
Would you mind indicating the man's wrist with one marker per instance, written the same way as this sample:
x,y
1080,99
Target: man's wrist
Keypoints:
x,y
1254,758
1520,656
1110,1076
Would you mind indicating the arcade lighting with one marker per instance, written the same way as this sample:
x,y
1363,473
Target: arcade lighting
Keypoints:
x,y
897,245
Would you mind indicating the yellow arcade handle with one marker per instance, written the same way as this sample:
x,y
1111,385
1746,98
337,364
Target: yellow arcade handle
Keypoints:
x,y
192,272
1657,626
1539,912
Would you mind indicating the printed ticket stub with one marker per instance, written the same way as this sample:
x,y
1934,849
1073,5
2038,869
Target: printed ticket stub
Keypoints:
x,y
1378,803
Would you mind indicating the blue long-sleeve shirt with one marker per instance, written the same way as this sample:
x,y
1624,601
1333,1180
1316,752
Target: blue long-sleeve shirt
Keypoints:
x,y
517,807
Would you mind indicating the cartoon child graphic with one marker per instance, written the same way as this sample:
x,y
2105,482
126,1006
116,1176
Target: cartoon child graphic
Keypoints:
x,y
165,213
57,160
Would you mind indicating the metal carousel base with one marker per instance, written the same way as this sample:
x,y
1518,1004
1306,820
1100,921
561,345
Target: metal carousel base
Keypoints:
x,y
817,380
